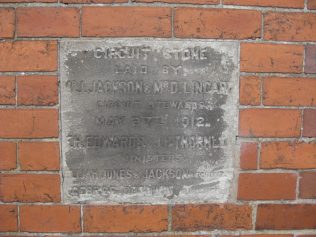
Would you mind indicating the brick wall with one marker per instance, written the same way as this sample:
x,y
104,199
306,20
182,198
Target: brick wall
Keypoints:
x,y
277,120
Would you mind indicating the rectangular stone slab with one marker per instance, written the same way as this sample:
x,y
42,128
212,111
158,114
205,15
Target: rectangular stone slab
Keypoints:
x,y
148,121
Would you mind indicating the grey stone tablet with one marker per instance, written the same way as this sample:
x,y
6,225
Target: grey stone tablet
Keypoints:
x,y
148,121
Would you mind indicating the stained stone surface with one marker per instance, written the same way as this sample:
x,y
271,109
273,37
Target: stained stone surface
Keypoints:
x,y
148,121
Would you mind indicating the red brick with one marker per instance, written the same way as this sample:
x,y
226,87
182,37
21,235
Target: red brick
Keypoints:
x,y
288,155
7,22
26,1
269,123
93,1
125,218
259,235
308,185
267,3
39,155
211,216
289,91
271,58
37,90
28,56
55,218
250,88
310,59
217,23
248,156
290,26
286,217
48,22
309,123
7,90
7,155
24,123
182,1
272,186
126,21
8,218
311,4
29,187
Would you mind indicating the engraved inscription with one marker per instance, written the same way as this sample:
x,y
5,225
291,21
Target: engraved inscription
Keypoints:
x,y
148,121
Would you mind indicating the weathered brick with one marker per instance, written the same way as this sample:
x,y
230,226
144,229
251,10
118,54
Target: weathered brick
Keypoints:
x,y
311,4
7,90
47,22
28,56
211,216
267,3
290,26
29,187
8,218
310,59
125,218
250,88
126,21
93,1
309,123
28,123
286,217
37,90
7,155
55,218
7,22
39,155
269,123
259,235
217,23
307,185
248,156
271,58
272,186
182,1
26,1
288,155
289,91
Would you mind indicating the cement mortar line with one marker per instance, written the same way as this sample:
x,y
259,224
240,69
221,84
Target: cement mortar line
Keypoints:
x,y
278,170
213,233
257,40
3,107
277,139
29,139
243,107
162,4
16,171
276,74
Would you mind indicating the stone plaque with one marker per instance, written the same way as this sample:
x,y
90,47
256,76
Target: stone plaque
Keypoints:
x,y
148,121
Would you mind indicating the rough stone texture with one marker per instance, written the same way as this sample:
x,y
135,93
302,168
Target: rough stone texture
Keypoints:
x,y
181,154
